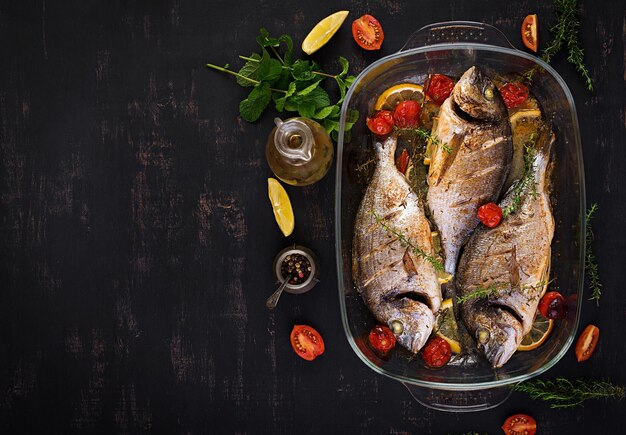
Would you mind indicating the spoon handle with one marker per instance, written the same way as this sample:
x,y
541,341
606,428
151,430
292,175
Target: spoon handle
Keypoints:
x,y
272,301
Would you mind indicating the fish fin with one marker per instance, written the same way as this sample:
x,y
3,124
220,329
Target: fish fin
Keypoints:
x,y
442,160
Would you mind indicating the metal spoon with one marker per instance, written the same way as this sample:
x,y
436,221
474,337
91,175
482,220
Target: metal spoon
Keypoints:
x,y
272,301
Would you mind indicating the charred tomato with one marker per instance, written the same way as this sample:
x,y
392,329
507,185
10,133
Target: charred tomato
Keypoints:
x,y
381,123
307,343
520,424
439,88
382,339
552,305
587,342
514,94
436,353
407,114
367,32
529,32
402,162
490,214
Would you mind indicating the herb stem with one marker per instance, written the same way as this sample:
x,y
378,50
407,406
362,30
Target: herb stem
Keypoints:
x,y
319,73
226,70
590,259
280,59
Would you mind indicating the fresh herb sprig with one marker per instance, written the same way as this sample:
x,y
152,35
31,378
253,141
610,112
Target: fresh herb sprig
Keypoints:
x,y
590,259
426,136
293,85
407,242
479,293
527,181
563,393
565,32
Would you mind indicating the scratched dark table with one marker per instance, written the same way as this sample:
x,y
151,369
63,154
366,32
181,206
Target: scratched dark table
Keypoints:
x,y
136,238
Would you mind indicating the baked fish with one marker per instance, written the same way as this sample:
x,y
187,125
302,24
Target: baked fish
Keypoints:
x,y
510,262
474,124
393,255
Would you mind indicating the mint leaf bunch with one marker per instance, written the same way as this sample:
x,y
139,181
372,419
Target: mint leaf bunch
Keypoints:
x,y
292,85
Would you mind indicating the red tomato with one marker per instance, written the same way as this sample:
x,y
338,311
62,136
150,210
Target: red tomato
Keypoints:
x,y
381,123
587,342
552,305
407,114
514,94
520,424
382,339
367,32
403,161
490,214
307,343
439,88
437,352
529,32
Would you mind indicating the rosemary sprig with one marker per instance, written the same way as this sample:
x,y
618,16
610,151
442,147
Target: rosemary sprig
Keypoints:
x,y
563,393
527,180
590,259
407,242
479,293
426,136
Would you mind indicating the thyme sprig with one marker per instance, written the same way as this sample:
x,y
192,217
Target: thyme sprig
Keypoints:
x,y
407,242
565,32
479,293
527,181
563,393
590,259
425,135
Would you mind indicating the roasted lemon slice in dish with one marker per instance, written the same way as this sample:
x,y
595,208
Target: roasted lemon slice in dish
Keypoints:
x,y
446,327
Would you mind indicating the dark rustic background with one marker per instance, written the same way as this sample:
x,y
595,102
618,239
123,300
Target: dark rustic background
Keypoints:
x,y
136,238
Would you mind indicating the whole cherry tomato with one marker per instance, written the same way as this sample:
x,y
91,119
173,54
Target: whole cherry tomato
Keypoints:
x,y
490,214
381,123
520,424
437,352
587,342
382,339
514,94
407,114
307,343
552,305
439,88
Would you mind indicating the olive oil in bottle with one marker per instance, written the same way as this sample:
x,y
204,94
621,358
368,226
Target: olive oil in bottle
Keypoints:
x,y
299,151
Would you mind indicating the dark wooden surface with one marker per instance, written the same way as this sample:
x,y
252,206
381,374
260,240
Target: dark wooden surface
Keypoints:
x,y
136,238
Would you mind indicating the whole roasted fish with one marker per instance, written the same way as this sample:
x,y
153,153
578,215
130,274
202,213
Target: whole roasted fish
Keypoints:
x,y
510,263
474,124
393,263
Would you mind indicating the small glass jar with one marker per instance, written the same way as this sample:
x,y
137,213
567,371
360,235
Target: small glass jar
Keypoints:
x,y
299,151
309,281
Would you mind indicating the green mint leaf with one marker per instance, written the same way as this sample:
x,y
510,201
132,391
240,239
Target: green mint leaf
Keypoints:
x,y
288,56
306,109
342,89
280,101
301,70
249,69
269,69
319,97
251,108
323,112
306,91
344,66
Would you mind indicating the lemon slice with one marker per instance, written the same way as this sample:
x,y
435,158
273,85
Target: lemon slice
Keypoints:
x,y
389,99
538,335
323,31
281,206
446,327
524,124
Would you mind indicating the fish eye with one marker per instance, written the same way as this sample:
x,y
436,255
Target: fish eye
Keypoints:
x,y
397,327
482,336
489,93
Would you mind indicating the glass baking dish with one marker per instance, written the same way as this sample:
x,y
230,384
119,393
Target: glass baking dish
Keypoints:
x,y
450,48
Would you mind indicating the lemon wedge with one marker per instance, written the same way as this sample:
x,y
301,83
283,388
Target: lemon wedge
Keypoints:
x,y
283,213
323,31
446,327
390,98
538,335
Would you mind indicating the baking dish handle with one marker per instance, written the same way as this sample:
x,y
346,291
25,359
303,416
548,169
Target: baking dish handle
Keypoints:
x,y
459,401
456,31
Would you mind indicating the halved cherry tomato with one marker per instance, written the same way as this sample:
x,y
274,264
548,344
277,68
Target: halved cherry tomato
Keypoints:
x,y
382,339
439,88
529,32
307,343
381,123
519,424
514,94
490,214
587,342
437,352
403,161
407,114
367,32
552,305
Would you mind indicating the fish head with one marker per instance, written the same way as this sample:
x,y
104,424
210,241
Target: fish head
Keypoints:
x,y
498,333
411,322
476,96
